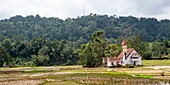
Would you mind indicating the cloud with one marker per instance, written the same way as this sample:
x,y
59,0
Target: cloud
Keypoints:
x,y
48,8
139,8
73,8
152,7
113,6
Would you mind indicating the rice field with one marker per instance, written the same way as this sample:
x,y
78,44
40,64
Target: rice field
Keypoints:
x,y
150,73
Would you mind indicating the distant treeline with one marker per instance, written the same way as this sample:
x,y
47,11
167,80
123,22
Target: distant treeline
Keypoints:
x,y
37,41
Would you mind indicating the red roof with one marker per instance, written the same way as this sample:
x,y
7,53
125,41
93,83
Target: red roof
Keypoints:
x,y
122,53
124,42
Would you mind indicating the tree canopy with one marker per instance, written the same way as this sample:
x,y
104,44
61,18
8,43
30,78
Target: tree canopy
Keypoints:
x,y
41,41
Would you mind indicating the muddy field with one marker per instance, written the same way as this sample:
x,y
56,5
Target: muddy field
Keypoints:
x,y
76,75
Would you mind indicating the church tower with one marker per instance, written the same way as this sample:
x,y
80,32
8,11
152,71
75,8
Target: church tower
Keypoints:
x,y
124,46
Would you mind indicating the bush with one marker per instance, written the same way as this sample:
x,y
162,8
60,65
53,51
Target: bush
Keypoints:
x,y
130,66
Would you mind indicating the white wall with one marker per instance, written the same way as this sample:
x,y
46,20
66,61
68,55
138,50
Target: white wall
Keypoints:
x,y
109,63
129,60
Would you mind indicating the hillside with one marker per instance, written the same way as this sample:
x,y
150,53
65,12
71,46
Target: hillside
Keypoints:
x,y
40,41
81,28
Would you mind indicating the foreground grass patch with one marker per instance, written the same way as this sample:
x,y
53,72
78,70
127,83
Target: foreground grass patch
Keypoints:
x,y
78,76
35,71
156,62
109,78
143,76
62,83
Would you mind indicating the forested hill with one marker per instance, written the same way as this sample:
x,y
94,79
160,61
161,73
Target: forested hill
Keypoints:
x,y
81,28
40,41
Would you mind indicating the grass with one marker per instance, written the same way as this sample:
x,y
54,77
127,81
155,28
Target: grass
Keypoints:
x,y
144,76
62,83
156,62
109,78
73,66
35,71
84,70
87,76
77,75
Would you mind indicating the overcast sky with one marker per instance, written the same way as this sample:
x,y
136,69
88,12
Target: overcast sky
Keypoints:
x,y
72,8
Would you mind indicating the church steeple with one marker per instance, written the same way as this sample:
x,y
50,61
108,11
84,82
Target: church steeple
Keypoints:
x,y
124,46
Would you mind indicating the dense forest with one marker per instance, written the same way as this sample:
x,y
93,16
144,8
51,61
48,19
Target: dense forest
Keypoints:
x,y
41,41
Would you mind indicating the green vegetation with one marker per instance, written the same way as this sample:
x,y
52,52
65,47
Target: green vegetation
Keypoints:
x,y
112,50
91,53
108,78
41,41
78,76
62,83
36,71
156,62
144,76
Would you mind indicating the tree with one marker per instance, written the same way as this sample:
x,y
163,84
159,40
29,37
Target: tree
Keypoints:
x,y
158,49
112,50
137,43
91,53
87,55
8,60
2,55
23,37
43,57
98,46
7,44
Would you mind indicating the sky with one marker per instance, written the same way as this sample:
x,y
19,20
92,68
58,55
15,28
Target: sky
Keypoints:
x,y
63,9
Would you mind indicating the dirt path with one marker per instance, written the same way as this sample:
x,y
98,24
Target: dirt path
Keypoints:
x,y
158,67
22,82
